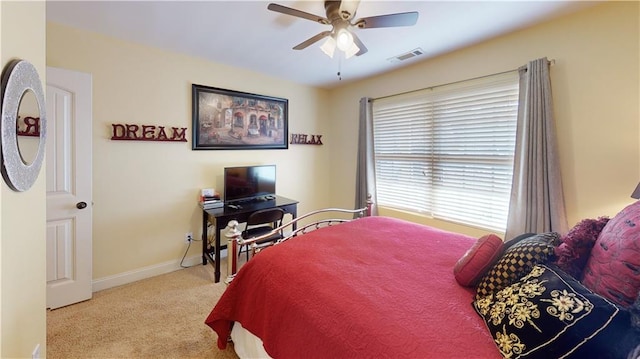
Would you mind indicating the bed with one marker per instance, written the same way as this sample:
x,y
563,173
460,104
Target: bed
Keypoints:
x,y
372,287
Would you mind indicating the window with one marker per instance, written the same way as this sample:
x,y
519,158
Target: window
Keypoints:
x,y
447,151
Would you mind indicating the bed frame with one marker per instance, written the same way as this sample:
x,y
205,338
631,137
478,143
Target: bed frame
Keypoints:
x,y
234,235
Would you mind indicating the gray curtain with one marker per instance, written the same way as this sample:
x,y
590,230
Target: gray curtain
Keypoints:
x,y
365,170
537,201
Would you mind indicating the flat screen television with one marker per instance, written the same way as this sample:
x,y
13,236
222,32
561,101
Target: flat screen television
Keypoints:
x,y
245,183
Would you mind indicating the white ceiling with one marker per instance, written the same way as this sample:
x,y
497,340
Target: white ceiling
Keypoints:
x,y
245,34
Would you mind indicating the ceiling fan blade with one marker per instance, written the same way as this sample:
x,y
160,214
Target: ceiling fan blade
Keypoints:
x,y
356,40
312,40
390,20
293,12
348,9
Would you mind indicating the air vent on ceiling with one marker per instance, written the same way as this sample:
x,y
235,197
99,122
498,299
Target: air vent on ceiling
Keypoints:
x,y
406,56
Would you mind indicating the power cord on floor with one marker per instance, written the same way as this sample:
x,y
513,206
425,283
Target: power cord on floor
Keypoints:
x,y
185,255
210,235
187,251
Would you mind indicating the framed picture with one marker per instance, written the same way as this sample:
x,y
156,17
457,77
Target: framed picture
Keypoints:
x,y
232,120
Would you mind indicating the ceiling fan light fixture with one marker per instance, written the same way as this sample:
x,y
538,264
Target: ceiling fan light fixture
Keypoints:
x,y
329,46
348,8
344,39
352,50
340,15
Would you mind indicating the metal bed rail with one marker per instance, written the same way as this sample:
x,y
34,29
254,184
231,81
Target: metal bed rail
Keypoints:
x,y
234,235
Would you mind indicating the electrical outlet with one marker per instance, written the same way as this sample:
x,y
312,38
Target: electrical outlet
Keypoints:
x,y
36,352
188,237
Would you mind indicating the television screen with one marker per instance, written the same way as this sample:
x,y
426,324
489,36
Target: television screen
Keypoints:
x,y
249,182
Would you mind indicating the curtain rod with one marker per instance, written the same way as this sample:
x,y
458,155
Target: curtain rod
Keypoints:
x,y
551,63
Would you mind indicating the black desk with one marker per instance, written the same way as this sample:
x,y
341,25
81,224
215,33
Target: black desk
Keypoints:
x,y
222,216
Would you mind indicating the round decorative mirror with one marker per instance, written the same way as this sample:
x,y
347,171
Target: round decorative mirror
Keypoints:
x,y
19,79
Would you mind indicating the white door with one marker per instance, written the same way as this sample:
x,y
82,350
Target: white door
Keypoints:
x,y
69,191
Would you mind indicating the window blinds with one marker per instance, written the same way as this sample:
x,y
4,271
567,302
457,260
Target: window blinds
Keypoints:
x,y
448,151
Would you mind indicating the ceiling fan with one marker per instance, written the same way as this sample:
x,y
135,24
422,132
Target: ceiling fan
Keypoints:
x,y
340,16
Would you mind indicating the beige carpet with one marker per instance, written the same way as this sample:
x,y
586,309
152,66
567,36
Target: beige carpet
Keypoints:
x,y
160,317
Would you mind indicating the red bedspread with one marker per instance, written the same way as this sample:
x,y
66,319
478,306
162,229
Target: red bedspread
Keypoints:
x,y
374,287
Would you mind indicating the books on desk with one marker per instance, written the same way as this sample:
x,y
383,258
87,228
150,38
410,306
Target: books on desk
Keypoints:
x,y
212,204
208,202
212,197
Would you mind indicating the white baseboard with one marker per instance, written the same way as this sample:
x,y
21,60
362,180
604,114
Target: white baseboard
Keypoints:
x,y
146,272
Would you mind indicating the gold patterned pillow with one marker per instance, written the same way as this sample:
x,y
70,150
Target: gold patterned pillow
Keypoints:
x,y
517,261
549,314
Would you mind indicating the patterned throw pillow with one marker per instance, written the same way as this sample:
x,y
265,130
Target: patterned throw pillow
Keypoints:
x,y
549,314
477,260
613,268
517,261
510,242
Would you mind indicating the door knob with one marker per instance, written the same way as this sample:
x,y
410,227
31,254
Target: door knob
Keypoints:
x,y
81,205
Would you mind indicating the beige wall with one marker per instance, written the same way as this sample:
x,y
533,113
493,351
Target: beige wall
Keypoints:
x,y
595,83
145,193
22,214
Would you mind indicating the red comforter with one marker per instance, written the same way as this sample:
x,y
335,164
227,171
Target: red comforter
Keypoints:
x,y
371,288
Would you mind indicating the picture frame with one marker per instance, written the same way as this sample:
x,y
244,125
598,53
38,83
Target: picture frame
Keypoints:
x,y
233,120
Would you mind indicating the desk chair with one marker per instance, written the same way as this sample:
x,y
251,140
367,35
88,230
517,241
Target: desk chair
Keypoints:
x,y
261,222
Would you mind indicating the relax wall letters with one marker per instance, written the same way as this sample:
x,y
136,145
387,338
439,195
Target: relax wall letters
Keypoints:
x,y
299,139
29,126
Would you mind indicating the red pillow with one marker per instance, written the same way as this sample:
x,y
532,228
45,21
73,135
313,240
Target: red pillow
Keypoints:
x,y
479,258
